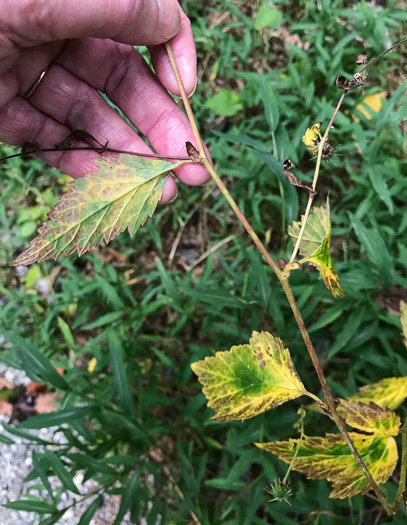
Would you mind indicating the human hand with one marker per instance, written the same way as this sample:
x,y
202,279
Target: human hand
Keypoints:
x,y
86,47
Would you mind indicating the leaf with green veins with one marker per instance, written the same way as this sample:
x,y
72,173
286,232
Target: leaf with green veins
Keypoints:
x,y
249,379
369,417
267,16
330,458
386,393
314,246
122,194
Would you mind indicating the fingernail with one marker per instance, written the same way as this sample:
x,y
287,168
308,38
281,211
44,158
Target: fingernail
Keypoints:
x,y
193,91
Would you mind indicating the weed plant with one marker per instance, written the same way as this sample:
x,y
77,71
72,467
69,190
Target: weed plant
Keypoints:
x,y
138,423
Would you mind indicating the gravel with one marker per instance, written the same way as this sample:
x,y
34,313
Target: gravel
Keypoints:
x,y
16,463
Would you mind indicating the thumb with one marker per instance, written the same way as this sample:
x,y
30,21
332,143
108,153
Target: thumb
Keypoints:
x,y
135,22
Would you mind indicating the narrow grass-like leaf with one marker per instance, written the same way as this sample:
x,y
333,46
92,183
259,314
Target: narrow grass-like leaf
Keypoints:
x,y
56,418
40,471
31,506
249,379
128,496
35,360
16,431
330,458
61,471
315,245
90,511
6,440
122,194
119,374
103,320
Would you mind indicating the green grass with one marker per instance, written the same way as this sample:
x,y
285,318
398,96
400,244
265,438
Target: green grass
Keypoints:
x,y
146,319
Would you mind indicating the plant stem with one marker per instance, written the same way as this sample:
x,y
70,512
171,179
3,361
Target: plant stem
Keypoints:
x,y
100,151
284,282
403,469
315,180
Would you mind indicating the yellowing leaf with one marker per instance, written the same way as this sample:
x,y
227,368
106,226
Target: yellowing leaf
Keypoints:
x,y
330,458
122,194
249,379
369,418
315,245
312,137
389,392
403,320
374,103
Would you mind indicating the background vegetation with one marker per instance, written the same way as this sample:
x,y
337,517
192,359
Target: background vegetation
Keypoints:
x,y
190,282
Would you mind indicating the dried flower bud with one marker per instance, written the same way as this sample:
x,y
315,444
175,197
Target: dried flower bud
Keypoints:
x,y
342,82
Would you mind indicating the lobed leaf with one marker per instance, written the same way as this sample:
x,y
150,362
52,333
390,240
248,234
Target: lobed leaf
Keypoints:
x,y
369,417
330,458
249,379
315,245
386,393
122,194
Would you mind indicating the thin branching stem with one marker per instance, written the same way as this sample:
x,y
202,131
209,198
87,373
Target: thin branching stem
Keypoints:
x,y
284,282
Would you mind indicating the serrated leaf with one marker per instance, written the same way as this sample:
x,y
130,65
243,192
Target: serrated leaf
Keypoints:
x,y
330,458
249,379
403,320
122,194
389,392
315,245
369,418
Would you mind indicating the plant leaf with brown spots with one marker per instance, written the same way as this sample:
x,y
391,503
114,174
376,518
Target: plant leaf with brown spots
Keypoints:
x,y
330,458
315,244
369,417
122,194
389,392
249,379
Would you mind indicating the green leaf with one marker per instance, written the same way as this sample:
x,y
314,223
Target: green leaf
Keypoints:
x,y
56,418
403,320
122,194
35,360
15,431
40,471
103,320
61,471
66,331
54,518
249,379
119,374
369,418
128,496
225,102
315,245
330,458
267,16
91,463
270,105
90,511
387,393
376,249
6,440
379,185
31,506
